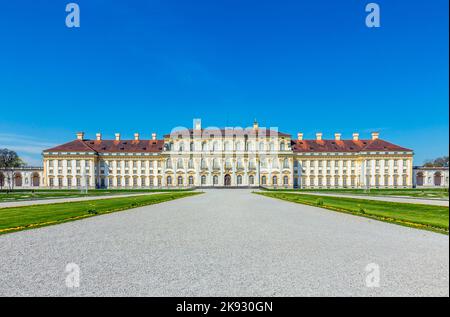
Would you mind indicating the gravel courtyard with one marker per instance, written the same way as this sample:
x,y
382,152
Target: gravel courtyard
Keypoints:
x,y
225,243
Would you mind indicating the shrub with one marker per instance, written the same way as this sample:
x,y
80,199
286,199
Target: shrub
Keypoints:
x,y
319,202
92,212
361,209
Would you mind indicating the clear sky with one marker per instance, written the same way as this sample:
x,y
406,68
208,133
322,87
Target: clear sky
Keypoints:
x,y
148,66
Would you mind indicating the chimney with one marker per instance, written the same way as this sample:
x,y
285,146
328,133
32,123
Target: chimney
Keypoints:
x,y
136,136
319,136
80,135
153,136
375,135
337,136
255,125
117,136
197,124
98,136
355,136
299,136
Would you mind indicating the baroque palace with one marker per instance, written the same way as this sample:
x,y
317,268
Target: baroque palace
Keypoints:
x,y
213,157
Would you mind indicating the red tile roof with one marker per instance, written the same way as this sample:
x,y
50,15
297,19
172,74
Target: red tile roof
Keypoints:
x,y
155,146
105,146
344,146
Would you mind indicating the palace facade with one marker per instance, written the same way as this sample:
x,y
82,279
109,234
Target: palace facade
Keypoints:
x,y
214,157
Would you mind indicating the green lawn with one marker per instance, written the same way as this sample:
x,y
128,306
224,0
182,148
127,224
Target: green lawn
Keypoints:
x,y
27,217
26,194
410,192
435,218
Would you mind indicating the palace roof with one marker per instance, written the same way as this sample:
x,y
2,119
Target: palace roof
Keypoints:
x,y
155,146
105,146
345,146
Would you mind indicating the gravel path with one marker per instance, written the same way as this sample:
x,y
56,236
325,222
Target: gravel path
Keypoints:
x,y
225,243
397,199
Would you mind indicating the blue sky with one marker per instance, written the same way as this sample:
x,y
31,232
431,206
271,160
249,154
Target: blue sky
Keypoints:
x,y
145,66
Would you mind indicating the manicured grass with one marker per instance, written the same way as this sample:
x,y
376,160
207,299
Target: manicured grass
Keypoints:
x,y
26,217
26,194
410,192
435,218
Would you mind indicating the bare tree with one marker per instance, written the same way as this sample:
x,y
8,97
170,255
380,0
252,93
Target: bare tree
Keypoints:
x,y
9,160
438,162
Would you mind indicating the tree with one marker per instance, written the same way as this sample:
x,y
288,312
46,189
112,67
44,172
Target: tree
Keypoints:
x,y
9,160
438,162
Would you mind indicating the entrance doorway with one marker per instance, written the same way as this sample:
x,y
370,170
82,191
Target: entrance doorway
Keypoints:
x,y
227,180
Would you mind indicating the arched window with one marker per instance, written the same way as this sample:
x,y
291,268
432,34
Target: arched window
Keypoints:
x,y
2,180
169,180
227,146
191,180
261,146
263,163
181,147
240,165
216,164
204,146
239,146
264,180
239,180
285,180
215,180
275,163
419,179
437,179
18,180
286,163
228,163
251,164
180,180
203,180
251,180
168,163
215,146
180,163
274,181
191,163
272,146
282,146
203,164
